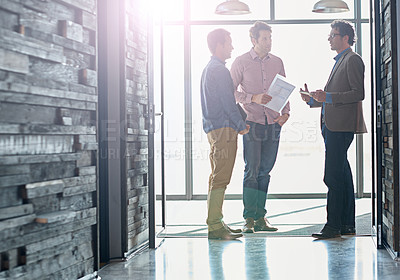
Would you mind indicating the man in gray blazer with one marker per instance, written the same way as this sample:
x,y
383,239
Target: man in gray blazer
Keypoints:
x,y
341,118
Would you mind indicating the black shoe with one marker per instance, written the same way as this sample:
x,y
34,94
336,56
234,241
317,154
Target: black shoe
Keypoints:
x,y
327,232
348,230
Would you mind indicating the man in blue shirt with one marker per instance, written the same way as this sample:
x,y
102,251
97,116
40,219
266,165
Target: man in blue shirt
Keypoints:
x,y
222,122
341,118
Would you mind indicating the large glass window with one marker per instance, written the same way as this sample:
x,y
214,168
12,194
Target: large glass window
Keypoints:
x,y
171,10
158,109
367,161
307,57
174,117
365,8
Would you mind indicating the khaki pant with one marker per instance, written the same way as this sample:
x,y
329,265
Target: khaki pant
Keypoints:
x,y
223,147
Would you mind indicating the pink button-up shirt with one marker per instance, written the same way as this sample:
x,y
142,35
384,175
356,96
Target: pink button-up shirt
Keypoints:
x,y
252,75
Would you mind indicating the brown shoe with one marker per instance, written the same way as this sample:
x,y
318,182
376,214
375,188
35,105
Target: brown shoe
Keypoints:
x,y
223,234
249,226
262,224
231,229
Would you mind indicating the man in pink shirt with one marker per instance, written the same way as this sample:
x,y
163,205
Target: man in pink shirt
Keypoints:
x,y
252,75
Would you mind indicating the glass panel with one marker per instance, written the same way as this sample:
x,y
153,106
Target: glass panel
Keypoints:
x,y
366,55
365,8
295,9
352,158
205,10
301,145
157,109
301,141
174,110
157,125
200,57
171,10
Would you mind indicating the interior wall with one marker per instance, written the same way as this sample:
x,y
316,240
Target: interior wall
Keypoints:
x,y
123,128
137,126
389,93
50,119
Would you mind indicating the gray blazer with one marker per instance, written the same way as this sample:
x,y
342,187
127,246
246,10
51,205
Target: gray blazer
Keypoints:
x,y
346,86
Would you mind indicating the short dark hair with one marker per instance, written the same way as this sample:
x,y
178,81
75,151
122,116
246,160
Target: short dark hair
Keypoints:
x,y
216,36
257,27
345,28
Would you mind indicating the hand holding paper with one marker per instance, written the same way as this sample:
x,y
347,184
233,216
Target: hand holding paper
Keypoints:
x,y
280,91
261,98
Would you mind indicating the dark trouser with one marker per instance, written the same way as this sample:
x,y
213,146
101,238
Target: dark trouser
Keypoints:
x,y
260,150
338,179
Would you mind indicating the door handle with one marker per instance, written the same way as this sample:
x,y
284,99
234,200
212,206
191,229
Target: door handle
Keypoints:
x,y
379,114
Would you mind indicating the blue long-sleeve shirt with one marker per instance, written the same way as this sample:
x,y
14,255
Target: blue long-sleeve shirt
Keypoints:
x,y
217,98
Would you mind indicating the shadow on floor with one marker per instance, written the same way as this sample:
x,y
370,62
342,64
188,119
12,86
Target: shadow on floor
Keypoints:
x,y
363,227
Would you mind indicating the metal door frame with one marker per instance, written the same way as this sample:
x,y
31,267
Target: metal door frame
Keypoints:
x,y
376,124
152,151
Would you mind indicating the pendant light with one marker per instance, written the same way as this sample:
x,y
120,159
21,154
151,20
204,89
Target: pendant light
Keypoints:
x,y
232,7
330,6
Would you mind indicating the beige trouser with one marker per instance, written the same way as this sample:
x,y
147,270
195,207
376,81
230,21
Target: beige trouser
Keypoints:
x,y
223,146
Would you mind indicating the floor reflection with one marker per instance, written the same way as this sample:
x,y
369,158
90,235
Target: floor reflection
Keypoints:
x,y
256,259
252,257
223,256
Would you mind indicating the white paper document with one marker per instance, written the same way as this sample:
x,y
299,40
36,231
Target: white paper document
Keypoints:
x,y
280,91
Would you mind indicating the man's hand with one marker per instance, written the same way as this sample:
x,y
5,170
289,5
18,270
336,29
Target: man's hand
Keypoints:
x,y
245,131
305,97
282,119
319,95
261,98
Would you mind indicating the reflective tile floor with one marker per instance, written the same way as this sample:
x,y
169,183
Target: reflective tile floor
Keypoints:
x,y
250,258
291,216
254,257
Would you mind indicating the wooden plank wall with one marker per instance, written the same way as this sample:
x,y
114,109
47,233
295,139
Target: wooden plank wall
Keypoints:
x,y
137,130
390,186
48,138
